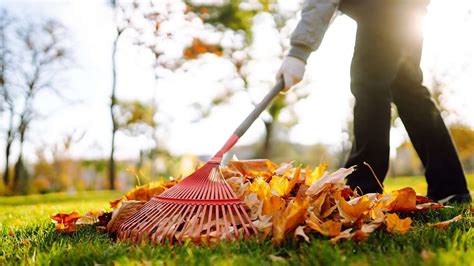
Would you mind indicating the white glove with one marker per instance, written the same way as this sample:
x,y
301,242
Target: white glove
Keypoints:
x,y
292,71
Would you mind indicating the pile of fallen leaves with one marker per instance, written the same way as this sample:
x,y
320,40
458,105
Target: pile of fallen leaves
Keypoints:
x,y
286,200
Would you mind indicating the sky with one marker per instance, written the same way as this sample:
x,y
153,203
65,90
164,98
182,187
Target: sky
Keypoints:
x,y
449,44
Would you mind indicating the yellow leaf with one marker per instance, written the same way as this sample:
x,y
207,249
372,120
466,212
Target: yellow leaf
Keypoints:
x,y
260,187
316,174
279,184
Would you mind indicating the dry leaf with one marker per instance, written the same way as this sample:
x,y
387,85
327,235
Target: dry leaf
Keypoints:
x,y
290,218
444,224
299,231
91,217
334,178
317,173
66,222
284,200
397,225
402,200
352,212
273,204
328,228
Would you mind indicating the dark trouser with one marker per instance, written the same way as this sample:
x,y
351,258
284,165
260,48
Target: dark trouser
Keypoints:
x,y
385,69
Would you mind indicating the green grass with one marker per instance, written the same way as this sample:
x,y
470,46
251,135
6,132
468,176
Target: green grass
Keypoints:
x,y
28,237
416,182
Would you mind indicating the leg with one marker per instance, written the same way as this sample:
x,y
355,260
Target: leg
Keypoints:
x,y
426,128
373,70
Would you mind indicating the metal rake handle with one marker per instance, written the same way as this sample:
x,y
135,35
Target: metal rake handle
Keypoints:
x,y
248,121
259,108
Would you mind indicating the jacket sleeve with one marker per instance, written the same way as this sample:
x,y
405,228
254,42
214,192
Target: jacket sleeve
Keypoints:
x,y
308,34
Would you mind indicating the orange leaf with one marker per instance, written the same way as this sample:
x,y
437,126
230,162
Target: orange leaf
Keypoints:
x,y
254,168
145,192
273,204
397,225
402,200
290,218
328,228
352,212
116,203
65,222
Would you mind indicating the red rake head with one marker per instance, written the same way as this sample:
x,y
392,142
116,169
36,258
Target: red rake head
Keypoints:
x,y
202,207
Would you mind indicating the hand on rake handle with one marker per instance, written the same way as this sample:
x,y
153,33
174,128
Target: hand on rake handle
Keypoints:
x,y
292,71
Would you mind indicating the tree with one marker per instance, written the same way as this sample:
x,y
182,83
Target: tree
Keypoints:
x,y
7,103
463,137
37,57
233,16
113,98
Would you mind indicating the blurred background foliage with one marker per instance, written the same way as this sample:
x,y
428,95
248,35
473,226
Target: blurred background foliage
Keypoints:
x,y
34,54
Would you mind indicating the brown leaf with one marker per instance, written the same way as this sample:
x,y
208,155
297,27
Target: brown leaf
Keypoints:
x,y
104,219
444,224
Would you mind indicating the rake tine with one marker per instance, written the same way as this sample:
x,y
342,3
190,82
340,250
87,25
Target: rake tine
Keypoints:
x,y
248,220
199,229
226,226
236,232
242,221
180,237
186,214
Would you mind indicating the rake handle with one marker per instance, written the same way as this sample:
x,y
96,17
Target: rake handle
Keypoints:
x,y
259,108
248,121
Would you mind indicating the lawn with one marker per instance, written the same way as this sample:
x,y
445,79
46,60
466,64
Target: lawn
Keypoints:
x,y
28,237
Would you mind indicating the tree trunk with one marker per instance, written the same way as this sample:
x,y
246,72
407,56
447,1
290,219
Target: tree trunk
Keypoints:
x,y
8,146
17,171
6,174
113,103
266,148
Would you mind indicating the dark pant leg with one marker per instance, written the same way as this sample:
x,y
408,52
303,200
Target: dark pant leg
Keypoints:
x,y
374,66
426,128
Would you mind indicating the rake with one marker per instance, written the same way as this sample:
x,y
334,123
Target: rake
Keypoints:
x,y
202,207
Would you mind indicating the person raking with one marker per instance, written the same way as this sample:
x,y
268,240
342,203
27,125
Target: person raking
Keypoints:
x,y
385,69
